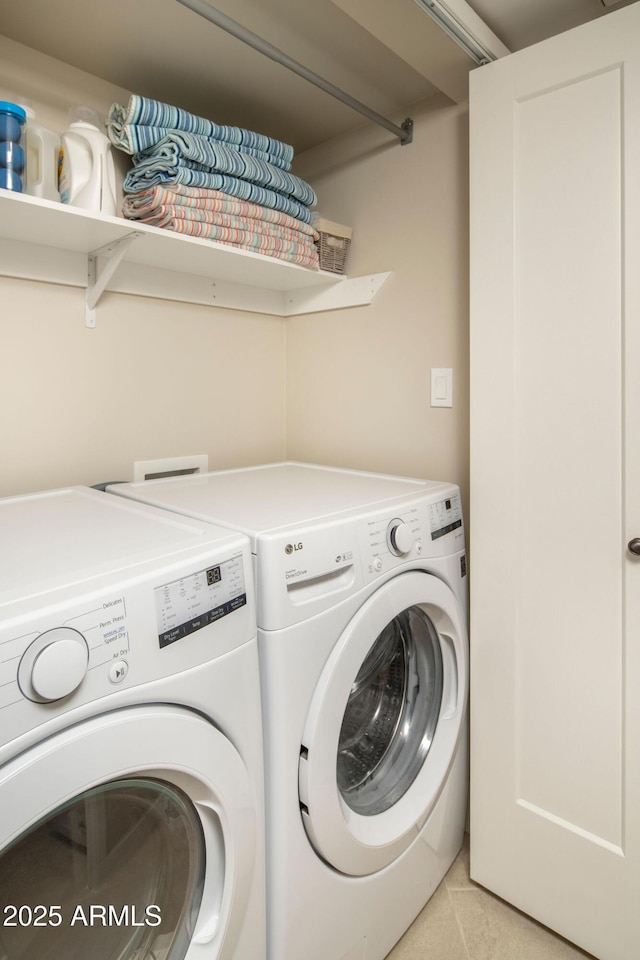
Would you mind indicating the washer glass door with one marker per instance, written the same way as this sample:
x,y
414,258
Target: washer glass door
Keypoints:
x,y
391,714
384,724
102,874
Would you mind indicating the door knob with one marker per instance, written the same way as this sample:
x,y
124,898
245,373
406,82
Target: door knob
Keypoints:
x,y
634,546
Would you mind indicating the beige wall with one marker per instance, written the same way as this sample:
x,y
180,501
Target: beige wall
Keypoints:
x,y
158,379
358,380
153,379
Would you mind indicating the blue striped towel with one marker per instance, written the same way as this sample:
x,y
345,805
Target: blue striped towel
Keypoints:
x,y
141,138
178,149
135,182
123,123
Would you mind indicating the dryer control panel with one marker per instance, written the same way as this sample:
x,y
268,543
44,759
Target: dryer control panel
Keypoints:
x,y
190,603
100,596
65,654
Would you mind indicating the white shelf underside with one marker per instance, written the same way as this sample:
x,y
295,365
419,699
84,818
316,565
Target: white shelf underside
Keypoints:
x,y
49,242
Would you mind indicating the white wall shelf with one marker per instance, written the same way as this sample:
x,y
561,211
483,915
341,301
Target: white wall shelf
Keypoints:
x,y
41,240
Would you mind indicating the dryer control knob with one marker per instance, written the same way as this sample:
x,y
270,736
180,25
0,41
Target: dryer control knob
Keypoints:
x,y
399,538
54,665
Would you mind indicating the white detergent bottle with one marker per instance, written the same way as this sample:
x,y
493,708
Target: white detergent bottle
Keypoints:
x,y
43,154
87,174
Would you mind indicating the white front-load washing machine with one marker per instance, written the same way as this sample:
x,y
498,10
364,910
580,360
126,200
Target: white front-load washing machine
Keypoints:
x,y
131,783
362,634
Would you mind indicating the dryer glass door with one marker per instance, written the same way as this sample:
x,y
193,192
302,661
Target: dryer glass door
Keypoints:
x,y
129,836
384,724
102,874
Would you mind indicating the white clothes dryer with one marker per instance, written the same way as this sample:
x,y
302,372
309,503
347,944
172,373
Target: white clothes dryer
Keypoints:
x,y
131,770
362,633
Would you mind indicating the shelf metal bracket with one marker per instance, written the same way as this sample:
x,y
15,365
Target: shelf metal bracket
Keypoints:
x,y
97,279
350,292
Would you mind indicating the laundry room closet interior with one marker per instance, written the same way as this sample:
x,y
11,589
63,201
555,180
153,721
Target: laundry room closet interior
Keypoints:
x,y
159,378
497,245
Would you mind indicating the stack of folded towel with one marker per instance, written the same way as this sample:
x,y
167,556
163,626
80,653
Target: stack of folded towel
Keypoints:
x,y
197,177
218,216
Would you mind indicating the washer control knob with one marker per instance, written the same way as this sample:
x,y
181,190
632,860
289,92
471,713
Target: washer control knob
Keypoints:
x,y
399,538
54,665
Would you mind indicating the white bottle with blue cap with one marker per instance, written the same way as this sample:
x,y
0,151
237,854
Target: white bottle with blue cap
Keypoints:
x,y
87,174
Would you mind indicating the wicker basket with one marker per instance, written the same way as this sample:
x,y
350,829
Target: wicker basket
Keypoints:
x,y
333,244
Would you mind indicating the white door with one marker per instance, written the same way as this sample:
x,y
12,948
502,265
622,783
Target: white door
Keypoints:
x,y
555,464
384,724
128,837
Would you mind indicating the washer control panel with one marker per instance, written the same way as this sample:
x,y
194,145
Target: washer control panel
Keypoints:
x,y
388,540
399,538
417,529
445,516
308,568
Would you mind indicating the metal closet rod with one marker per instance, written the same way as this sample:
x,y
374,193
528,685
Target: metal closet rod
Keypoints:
x,y
204,9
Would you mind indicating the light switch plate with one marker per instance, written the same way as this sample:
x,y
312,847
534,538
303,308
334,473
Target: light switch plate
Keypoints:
x,y
441,387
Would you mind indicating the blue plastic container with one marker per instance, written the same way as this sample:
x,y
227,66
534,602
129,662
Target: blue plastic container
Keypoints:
x,y
12,146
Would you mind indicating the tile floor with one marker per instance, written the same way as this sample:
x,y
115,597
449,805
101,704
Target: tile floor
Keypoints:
x,y
462,921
